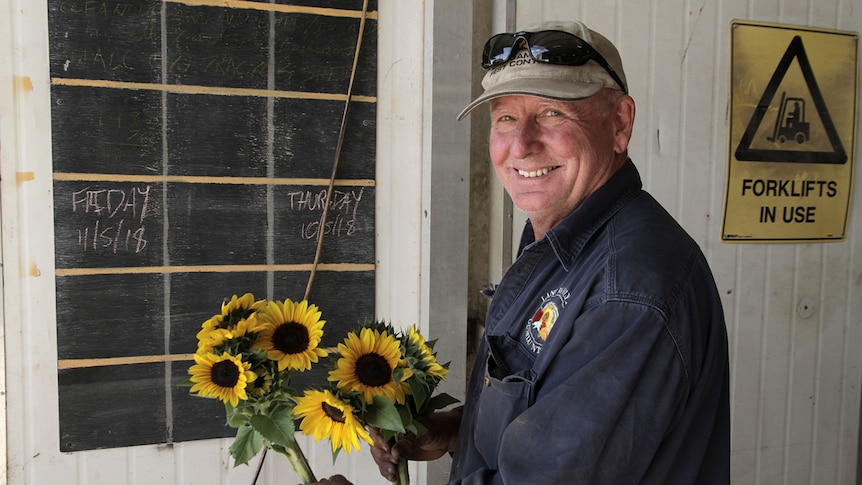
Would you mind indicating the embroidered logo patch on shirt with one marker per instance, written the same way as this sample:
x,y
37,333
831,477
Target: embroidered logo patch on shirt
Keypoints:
x,y
539,327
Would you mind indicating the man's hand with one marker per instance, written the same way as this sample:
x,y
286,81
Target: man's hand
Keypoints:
x,y
333,480
440,439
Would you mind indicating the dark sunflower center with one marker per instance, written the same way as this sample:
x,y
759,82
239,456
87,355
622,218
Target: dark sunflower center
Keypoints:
x,y
333,412
291,338
224,374
373,370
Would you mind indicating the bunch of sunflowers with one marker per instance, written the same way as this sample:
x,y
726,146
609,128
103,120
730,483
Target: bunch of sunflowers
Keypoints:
x,y
379,377
245,358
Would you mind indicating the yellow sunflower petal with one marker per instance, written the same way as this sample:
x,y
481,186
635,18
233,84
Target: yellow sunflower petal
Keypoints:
x,y
222,377
366,366
290,334
324,415
433,367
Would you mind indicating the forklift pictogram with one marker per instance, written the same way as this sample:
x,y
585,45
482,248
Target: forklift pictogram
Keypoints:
x,y
793,119
791,124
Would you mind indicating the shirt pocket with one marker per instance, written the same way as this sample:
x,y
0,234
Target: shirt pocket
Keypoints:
x,y
507,391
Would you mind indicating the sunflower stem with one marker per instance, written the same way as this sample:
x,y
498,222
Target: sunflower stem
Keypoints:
x,y
403,474
299,462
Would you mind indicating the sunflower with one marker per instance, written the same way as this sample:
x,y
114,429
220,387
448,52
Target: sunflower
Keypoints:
x,y
232,312
325,415
209,326
216,337
261,386
223,377
290,334
426,354
367,365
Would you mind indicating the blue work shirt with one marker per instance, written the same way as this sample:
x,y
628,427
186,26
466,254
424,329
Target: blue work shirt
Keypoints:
x,y
604,358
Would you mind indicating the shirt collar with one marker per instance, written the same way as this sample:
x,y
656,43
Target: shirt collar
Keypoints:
x,y
569,237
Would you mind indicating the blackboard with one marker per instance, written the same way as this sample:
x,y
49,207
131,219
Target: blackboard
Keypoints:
x,y
192,149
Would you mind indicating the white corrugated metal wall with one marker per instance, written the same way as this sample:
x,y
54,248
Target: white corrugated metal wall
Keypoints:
x,y
795,378
796,381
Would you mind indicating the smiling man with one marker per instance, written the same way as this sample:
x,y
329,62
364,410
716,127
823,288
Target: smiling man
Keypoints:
x,y
604,358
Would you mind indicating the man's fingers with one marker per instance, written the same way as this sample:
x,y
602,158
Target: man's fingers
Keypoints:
x,y
381,451
388,471
404,448
334,480
375,434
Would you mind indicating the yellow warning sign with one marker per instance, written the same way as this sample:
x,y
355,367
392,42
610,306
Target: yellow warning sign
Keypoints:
x,y
793,98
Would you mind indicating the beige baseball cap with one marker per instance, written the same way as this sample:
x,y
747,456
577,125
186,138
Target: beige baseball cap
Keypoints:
x,y
526,76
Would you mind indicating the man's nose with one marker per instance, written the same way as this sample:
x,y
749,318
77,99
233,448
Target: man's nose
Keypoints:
x,y
525,140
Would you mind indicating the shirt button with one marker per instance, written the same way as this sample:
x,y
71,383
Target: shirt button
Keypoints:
x,y
487,382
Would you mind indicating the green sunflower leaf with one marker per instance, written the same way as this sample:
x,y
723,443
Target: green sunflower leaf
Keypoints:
x,y
440,401
246,446
278,429
420,393
417,428
384,415
405,415
235,417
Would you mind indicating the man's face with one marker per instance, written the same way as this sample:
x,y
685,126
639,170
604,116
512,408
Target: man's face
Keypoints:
x,y
551,155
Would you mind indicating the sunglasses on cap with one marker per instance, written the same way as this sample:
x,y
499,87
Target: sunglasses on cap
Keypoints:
x,y
548,46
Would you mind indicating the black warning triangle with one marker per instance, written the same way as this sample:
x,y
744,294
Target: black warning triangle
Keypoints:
x,y
744,152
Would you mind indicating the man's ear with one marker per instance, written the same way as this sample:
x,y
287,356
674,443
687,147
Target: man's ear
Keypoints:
x,y
624,119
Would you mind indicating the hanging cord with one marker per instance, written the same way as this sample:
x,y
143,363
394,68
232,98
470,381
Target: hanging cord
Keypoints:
x,y
321,227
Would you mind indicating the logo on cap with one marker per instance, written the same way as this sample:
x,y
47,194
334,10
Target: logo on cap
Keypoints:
x,y
522,58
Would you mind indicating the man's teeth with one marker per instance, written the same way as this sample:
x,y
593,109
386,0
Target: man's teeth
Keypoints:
x,y
534,173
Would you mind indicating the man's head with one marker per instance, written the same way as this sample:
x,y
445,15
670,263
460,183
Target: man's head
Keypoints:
x,y
560,126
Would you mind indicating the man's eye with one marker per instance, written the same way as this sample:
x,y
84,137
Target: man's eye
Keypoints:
x,y
552,112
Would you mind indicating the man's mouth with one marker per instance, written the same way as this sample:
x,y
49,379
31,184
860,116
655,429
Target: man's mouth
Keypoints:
x,y
536,173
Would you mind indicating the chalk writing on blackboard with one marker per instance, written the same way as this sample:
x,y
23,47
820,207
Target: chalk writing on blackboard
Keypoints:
x,y
117,218
112,201
343,208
